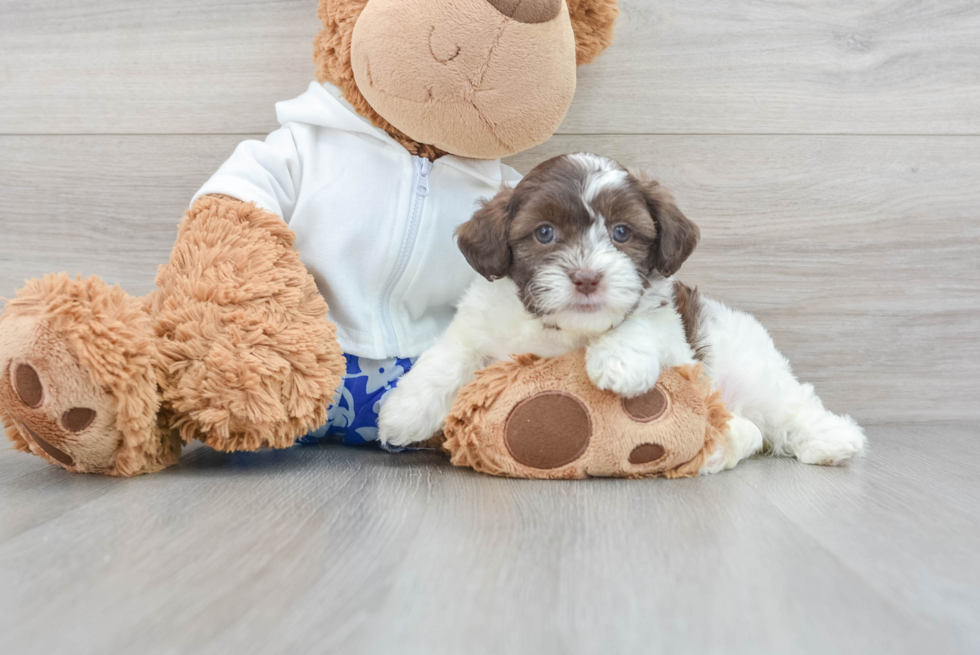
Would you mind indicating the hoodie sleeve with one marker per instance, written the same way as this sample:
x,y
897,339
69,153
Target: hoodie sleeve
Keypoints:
x,y
264,172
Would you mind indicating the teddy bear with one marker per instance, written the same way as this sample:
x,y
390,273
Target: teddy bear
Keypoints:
x,y
350,205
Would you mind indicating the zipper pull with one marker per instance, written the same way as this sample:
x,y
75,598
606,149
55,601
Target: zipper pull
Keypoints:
x,y
423,167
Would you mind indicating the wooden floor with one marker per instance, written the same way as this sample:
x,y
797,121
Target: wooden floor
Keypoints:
x,y
333,549
830,152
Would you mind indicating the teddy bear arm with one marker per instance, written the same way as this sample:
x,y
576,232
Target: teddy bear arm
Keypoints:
x,y
249,358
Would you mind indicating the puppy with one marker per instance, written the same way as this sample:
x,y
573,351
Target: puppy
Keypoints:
x,y
581,254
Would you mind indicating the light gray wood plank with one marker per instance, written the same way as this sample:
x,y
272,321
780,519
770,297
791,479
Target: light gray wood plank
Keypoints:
x,y
92,66
332,549
857,253
940,496
782,66
98,205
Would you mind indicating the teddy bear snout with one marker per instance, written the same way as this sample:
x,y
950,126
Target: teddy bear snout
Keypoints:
x,y
476,78
528,11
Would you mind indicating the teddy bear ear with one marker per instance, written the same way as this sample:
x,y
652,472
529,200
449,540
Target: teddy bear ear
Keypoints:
x,y
593,22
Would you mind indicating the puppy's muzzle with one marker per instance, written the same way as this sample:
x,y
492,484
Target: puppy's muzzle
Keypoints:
x,y
586,281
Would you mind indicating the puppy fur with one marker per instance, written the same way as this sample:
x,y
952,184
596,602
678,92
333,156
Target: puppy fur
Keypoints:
x,y
581,254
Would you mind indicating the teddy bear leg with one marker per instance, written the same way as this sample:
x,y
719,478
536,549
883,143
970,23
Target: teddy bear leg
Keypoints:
x,y
250,359
78,383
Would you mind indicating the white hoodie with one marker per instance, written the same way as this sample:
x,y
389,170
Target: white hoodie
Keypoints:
x,y
374,224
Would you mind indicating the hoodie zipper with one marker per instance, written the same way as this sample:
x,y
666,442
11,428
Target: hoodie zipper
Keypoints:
x,y
420,189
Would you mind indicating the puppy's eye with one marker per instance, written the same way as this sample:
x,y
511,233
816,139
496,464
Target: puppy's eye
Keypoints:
x,y
621,234
544,233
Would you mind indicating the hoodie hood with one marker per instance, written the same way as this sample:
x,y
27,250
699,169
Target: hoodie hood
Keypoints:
x,y
323,105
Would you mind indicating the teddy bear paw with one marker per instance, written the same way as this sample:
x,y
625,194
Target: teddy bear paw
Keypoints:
x,y
49,404
62,358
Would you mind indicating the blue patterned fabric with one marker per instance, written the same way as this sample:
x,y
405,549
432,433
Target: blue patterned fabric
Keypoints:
x,y
353,416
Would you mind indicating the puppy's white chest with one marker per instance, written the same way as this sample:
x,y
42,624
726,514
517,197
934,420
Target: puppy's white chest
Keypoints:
x,y
541,341
493,320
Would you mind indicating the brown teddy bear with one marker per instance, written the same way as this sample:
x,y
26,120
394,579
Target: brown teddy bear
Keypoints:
x,y
363,184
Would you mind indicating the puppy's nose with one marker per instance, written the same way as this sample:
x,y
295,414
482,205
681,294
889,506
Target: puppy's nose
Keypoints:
x,y
586,281
528,11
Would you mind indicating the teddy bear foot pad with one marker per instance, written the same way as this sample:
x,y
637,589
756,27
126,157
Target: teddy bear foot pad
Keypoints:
x,y
538,418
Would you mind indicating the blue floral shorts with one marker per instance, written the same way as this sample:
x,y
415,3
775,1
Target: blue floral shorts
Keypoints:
x,y
352,418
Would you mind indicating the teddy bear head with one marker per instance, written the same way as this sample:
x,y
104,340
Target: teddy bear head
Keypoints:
x,y
474,78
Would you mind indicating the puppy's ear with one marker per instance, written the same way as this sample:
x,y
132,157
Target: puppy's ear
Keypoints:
x,y
483,238
677,237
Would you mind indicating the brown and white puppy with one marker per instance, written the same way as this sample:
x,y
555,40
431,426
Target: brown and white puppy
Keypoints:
x,y
581,254
582,249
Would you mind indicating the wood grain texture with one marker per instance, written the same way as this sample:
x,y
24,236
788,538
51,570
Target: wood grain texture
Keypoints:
x,y
93,66
98,205
330,549
785,66
859,254
846,66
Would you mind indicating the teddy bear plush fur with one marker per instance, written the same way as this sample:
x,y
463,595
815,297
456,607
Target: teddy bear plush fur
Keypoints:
x,y
543,418
234,347
485,72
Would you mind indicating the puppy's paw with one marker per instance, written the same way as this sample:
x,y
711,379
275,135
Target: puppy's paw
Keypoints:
x,y
623,371
832,441
744,439
405,419
716,462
